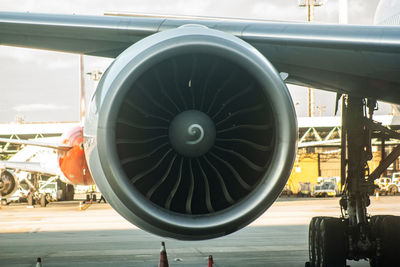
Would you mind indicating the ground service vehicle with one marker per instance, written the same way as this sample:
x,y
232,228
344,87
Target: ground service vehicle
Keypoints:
x,y
326,187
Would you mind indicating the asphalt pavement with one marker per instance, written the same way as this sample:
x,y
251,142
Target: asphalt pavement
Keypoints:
x,y
62,235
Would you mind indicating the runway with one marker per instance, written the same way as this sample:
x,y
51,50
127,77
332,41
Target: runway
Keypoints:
x,y
64,236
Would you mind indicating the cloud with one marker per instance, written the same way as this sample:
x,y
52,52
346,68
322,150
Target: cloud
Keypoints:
x,y
39,107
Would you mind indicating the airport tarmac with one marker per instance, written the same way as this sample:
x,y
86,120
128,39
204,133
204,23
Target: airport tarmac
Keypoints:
x,y
64,236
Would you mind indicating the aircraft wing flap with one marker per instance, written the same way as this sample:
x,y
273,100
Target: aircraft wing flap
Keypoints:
x,y
360,37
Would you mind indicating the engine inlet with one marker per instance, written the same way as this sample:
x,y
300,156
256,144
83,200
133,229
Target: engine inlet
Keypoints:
x,y
195,133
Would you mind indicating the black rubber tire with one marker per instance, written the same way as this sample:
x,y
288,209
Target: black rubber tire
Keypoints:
x,y
316,238
382,234
332,243
313,239
390,234
43,201
311,244
30,200
375,223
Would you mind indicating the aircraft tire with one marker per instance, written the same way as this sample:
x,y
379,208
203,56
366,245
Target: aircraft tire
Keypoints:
x,y
386,230
29,199
311,243
332,243
43,200
313,240
376,222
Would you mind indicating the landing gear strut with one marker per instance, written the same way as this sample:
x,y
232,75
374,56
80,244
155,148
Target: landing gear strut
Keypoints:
x,y
356,235
34,196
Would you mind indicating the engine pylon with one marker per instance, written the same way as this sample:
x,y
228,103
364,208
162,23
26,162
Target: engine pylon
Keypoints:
x,y
163,256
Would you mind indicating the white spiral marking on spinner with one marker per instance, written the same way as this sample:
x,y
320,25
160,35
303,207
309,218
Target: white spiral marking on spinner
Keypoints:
x,y
192,130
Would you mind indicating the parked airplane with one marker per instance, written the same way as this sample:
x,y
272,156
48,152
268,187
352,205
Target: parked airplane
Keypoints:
x,y
191,133
71,160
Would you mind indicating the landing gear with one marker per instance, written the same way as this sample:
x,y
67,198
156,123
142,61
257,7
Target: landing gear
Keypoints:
x,y
35,196
30,199
91,197
356,235
43,200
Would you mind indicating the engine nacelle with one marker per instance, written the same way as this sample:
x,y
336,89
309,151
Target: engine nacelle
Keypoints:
x,y
8,183
191,133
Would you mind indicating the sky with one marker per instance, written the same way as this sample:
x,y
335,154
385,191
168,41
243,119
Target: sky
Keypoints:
x,y
43,86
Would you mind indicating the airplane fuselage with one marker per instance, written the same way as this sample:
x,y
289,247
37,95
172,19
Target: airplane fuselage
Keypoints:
x,y
73,162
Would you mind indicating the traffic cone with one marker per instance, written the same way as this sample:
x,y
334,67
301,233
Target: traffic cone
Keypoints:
x,y
210,261
39,262
80,205
163,256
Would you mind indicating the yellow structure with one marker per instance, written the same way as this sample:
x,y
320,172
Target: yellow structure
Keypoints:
x,y
305,170
309,166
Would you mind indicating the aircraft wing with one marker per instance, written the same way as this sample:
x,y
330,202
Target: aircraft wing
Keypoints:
x,y
361,60
33,167
36,143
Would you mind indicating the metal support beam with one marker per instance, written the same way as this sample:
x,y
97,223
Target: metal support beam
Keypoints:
x,y
385,163
343,151
355,160
379,127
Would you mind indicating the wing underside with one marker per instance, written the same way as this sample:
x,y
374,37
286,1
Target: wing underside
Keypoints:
x,y
359,60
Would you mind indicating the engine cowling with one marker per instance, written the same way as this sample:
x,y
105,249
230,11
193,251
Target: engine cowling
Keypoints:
x,y
191,133
8,183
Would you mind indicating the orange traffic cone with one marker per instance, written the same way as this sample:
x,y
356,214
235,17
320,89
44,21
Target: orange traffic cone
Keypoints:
x,y
39,262
163,256
210,261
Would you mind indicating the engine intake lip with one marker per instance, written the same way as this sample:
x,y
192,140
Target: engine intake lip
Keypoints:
x,y
128,68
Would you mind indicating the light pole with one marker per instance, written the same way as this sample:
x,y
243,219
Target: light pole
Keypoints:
x,y
310,4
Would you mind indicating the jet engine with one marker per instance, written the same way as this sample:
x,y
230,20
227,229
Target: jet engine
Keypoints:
x,y
191,133
8,183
